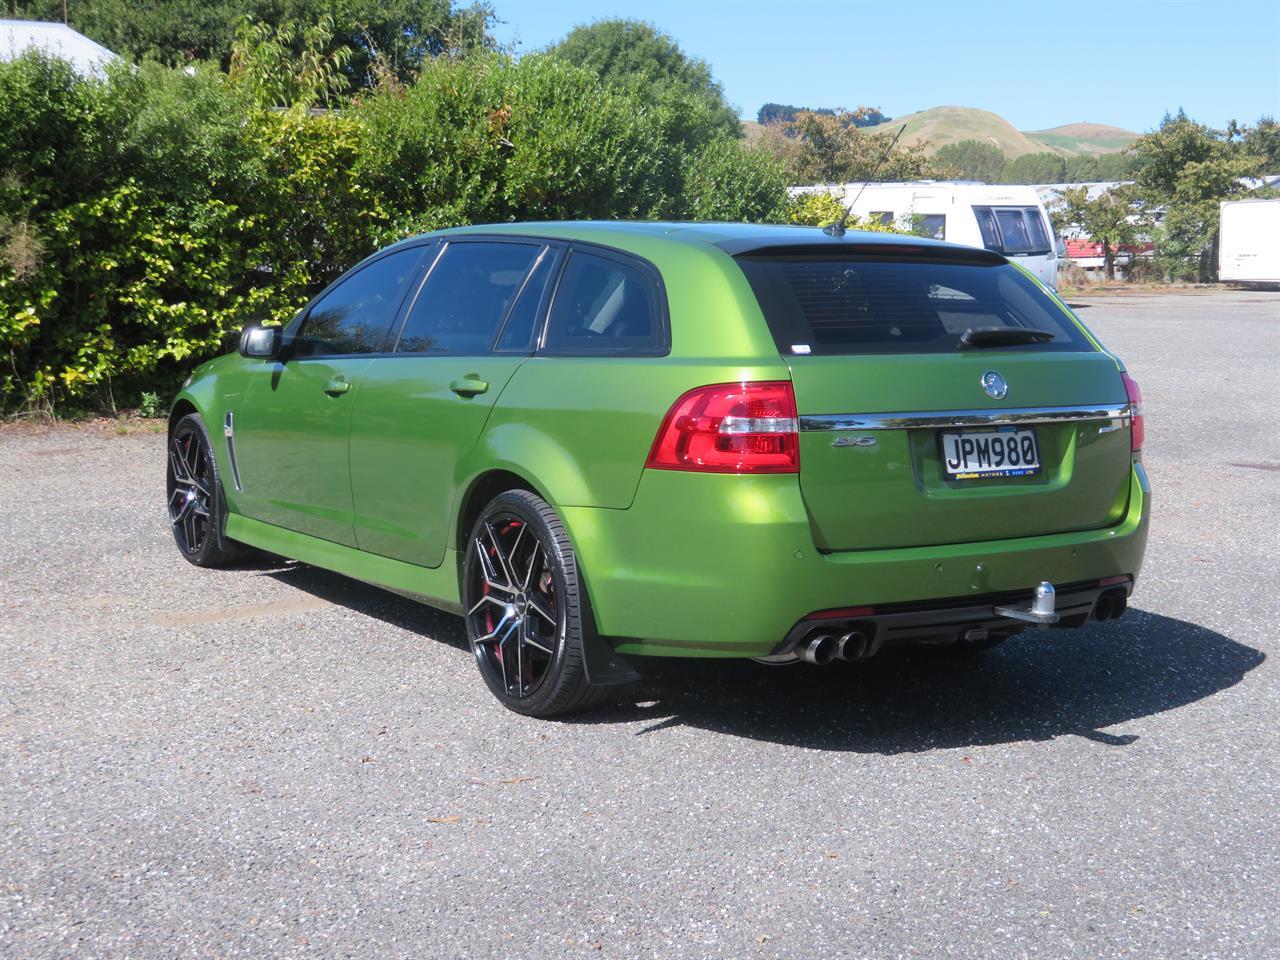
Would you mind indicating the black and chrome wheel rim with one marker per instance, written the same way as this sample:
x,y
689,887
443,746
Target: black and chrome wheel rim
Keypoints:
x,y
514,619
190,487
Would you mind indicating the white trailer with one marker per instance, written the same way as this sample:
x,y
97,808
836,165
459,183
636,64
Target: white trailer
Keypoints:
x,y
1010,220
1249,242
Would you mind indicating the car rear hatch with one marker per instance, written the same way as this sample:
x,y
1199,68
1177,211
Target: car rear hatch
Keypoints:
x,y
943,397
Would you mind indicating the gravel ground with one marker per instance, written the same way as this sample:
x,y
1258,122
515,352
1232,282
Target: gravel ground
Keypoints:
x,y
273,761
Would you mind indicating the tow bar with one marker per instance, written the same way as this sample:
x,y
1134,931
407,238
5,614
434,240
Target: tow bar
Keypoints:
x,y
1042,611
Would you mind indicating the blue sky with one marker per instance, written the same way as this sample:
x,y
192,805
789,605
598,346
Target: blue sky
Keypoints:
x,y
1039,64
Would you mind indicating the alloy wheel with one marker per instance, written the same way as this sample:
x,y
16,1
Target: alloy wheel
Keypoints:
x,y
190,486
515,620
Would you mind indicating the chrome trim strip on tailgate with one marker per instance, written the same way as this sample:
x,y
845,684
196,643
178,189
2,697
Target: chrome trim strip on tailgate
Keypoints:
x,y
963,418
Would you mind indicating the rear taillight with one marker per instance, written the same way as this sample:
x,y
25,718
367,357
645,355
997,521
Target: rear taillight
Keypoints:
x,y
731,428
1138,424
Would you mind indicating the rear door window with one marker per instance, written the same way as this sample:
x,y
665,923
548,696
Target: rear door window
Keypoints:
x,y
354,315
466,296
606,305
840,305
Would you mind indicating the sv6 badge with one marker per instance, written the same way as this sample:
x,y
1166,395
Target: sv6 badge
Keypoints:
x,y
854,442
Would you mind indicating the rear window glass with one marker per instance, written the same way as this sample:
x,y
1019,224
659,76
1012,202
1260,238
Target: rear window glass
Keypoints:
x,y
852,305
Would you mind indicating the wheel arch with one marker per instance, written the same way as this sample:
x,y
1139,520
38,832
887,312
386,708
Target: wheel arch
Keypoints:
x,y
181,407
479,492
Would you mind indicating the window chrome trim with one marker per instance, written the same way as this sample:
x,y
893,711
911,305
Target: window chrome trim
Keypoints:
x,y
963,418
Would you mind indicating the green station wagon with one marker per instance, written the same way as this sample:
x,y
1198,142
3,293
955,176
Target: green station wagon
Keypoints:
x,y
602,441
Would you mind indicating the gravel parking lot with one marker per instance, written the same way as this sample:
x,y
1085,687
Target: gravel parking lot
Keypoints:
x,y
274,761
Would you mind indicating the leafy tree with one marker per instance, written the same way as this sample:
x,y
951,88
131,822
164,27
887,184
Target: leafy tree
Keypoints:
x,y
1262,140
396,36
639,57
1036,168
1109,219
826,148
786,113
1187,169
974,159
1100,167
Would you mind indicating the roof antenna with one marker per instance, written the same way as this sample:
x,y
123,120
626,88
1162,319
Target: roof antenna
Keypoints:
x,y
837,229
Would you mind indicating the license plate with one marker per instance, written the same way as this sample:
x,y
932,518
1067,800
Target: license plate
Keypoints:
x,y
1008,452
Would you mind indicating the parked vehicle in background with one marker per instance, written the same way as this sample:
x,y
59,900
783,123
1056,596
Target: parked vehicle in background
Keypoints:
x,y
1249,241
604,440
1008,220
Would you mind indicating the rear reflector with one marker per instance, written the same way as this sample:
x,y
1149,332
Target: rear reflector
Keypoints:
x,y
1138,425
1112,581
730,428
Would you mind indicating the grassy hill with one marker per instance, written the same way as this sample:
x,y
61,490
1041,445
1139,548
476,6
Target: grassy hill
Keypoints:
x,y
942,125
1076,138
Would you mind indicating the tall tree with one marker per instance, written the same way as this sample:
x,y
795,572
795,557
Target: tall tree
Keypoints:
x,y
974,159
1036,168
826,148
1187,169
639,57
389,36
1109,219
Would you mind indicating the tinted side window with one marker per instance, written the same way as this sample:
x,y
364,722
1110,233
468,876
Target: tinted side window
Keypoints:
x,y
465,297
605,306
354,316
517,334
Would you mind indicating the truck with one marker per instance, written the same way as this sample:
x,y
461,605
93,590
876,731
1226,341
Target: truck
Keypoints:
x,y
1249,241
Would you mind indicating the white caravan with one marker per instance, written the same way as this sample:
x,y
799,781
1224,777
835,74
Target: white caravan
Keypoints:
x,y
1249,242
1010,220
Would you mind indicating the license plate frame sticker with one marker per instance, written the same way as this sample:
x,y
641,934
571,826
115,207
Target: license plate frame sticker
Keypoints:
x,y
989,454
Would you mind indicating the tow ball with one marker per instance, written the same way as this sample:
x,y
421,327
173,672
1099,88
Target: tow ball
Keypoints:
x,y
1041,612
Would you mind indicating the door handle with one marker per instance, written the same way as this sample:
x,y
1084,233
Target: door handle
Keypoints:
x,y
469,386
336,387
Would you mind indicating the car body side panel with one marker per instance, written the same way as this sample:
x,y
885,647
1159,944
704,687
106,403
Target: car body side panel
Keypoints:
x,y
581,427
409,433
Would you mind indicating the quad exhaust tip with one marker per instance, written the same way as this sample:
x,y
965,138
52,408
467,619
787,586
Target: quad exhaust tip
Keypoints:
x,y
819,649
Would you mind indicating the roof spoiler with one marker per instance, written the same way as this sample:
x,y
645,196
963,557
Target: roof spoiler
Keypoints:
x,y
850,246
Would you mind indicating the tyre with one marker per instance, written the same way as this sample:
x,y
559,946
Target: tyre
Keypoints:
x,y
197,508
526,608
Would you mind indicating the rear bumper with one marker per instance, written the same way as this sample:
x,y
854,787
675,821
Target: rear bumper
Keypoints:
x,y
712,565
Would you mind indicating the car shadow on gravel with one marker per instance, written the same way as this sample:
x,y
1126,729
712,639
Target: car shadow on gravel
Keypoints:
x,y
1036,686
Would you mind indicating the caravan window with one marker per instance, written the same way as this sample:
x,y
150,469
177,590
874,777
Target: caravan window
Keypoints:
x,y
1013,231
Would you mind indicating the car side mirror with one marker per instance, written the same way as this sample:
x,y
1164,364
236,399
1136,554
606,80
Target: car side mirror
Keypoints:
x,y
1061,247
260,342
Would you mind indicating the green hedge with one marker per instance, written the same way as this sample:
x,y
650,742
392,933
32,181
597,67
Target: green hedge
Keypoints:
x,y
145,216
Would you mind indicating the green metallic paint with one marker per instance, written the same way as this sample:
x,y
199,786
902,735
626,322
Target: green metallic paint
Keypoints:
x,y
409,435
716,565
676,563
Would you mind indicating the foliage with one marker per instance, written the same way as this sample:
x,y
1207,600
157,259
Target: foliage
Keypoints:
x,y
264,63
1094,168
1110,219
729,182
974,159
399,35
146,216
820,209
827,148
640,58
786,113
1187,169
1035,168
